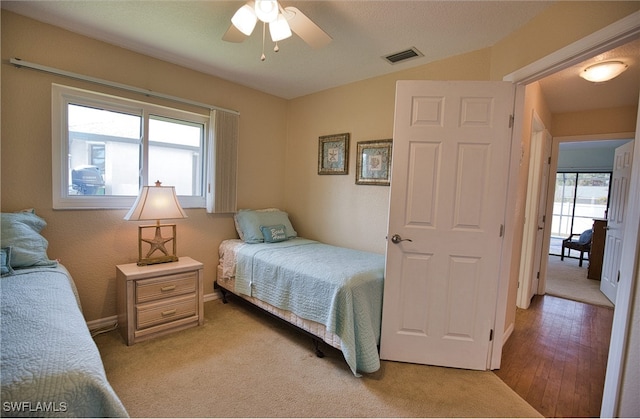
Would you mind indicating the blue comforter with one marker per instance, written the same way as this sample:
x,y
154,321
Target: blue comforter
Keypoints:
x,y
337,287
50,365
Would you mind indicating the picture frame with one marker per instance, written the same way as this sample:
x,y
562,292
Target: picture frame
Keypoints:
x,y
373,166
333,154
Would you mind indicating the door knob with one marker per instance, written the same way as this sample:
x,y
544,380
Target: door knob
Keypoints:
x,y
396,238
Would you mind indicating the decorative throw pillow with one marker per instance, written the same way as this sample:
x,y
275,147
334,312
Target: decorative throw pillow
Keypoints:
x,y
585,237
21,232
248,223
5,261
274,234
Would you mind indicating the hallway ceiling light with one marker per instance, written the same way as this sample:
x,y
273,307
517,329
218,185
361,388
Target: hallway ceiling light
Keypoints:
x,y
604,71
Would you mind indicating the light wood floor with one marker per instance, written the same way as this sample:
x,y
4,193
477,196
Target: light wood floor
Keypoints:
x,y
557,355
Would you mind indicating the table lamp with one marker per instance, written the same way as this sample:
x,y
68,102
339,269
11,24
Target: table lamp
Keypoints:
x,y
156,203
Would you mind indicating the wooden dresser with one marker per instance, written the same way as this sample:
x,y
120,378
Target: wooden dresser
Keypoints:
x,y
597,249
158,299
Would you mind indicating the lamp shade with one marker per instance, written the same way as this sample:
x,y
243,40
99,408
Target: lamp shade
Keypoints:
x,y
604,71
156,203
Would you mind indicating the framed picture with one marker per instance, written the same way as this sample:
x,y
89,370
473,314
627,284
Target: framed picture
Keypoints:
x,y
333,154
374,162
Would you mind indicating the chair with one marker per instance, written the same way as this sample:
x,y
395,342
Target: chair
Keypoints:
x,y
583,244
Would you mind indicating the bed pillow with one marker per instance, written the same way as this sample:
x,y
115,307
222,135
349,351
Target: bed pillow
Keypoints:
x,y
237,224
274,234
248,223
5,261
21,232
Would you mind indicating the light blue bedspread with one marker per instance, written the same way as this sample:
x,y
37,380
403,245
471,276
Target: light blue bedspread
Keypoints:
x,y
337,287
50,365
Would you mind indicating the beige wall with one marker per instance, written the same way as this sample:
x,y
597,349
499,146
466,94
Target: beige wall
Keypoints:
x,y
600,121
91,242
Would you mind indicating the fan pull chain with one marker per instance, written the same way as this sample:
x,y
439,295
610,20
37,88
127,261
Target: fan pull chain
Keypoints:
x,y
263,32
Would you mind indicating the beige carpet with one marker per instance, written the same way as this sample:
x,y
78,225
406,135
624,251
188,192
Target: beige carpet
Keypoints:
x,y
242,363
567,280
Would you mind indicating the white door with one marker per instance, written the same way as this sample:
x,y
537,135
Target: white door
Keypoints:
x,y
447,209
615,220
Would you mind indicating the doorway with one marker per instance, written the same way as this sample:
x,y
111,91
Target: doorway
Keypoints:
x,y
617,34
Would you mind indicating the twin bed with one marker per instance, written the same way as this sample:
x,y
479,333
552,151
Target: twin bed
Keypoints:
x,y
333,293
49,365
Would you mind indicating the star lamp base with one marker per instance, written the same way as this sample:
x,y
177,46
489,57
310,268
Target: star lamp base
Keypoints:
x,y
157,243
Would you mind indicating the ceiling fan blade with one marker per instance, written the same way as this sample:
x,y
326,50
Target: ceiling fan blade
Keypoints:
x,y
306,29
233,35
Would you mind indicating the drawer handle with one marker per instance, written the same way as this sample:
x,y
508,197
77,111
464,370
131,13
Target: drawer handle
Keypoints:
x,y
169,313
168,288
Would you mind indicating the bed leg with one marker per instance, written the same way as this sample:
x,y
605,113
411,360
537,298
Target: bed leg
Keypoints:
x,y
319,352
224,295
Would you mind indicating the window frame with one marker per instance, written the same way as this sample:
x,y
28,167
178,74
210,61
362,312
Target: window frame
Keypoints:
x,y
62,96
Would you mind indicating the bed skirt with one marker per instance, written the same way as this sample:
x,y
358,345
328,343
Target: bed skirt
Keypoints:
x,y
314,328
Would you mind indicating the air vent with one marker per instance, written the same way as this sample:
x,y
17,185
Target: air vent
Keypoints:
x,y
405,55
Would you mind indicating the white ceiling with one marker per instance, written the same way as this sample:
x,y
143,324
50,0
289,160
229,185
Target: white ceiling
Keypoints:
x,y
190,33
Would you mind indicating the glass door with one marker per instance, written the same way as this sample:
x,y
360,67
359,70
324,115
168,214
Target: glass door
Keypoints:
x,y
578,199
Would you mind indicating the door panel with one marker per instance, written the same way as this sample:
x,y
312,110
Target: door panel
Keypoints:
x,y
448,190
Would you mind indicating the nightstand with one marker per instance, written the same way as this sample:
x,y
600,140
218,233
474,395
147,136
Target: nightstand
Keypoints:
x,y
154,300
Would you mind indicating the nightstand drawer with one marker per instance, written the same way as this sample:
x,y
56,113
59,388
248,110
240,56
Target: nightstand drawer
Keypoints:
x,y
167,286
160,313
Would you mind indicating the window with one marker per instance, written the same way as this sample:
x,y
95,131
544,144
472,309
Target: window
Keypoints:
x,y
579,198
105,148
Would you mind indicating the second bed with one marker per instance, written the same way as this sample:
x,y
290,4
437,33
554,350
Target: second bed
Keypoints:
x,y
331,292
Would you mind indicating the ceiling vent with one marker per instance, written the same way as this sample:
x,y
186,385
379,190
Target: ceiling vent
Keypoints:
x,y
401,56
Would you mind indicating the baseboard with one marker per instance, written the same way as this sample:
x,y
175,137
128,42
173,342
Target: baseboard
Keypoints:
x,y
101,324
111,321
212,296
507,333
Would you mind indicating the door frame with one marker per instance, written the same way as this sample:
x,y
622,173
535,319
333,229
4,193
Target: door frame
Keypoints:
x,y
539,138
607,38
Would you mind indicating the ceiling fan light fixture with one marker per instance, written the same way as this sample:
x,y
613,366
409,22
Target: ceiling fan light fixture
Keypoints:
x,y
245,19
267,10
279,29
603,71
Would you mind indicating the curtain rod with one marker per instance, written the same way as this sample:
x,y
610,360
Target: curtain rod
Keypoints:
x,y
21,63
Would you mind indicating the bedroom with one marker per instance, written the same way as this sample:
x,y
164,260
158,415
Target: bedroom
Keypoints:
x,y
321,208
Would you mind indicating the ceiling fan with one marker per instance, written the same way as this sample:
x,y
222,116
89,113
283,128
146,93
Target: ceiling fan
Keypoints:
x,y
281,22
